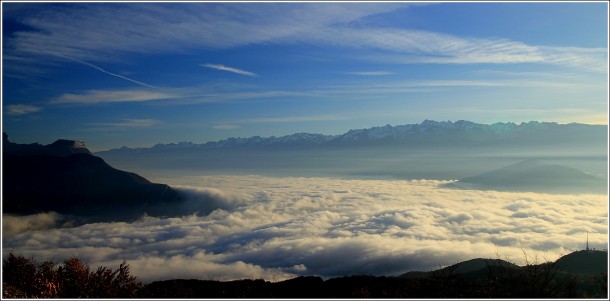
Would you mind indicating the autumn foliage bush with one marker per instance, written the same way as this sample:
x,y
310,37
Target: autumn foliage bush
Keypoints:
x,y
23,278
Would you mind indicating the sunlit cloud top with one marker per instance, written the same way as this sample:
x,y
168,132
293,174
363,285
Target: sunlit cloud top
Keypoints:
x,y
279,228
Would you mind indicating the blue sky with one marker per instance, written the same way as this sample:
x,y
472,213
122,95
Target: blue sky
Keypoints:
x,y
137,74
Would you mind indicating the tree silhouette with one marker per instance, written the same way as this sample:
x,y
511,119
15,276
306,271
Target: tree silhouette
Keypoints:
x,y
19,276
73,279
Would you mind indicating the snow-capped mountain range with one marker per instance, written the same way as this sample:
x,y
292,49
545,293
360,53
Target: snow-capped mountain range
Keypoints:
x,y
427,133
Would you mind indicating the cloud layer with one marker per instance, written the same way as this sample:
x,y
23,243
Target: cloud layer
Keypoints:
x,y
277,228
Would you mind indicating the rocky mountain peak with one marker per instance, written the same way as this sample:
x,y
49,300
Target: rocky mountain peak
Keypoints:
x,y
64,147
61,148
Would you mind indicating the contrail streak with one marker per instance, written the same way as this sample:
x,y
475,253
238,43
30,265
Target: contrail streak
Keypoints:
x,y
105,71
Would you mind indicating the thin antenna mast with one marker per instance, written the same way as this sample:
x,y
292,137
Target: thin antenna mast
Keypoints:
x,y
587,240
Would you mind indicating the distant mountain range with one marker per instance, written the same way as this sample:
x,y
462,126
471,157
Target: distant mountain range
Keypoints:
x,y
428,150
66,178
428,133
535,176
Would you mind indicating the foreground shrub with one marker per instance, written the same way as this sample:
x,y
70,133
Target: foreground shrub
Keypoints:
x,y
22,278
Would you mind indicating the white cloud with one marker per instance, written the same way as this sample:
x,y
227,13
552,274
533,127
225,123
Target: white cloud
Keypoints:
x,y
594,59
201,265
14,224
277,228
106,96
229,69
20,109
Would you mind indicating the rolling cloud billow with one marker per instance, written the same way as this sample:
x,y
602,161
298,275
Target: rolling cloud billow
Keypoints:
x,y
278,228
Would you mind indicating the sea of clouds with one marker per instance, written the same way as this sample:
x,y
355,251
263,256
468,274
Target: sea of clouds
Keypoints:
x,y
278,228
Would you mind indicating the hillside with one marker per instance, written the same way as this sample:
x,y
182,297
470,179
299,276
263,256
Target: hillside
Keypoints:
x,y
475,278
584,262
535,176
66,178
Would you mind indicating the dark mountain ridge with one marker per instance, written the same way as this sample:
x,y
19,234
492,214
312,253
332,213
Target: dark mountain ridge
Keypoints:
x,y
61,148
584,262
66,178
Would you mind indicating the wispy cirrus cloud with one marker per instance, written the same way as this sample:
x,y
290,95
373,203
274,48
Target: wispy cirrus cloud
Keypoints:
x,y
219,94
162,28
136,123
407,46
229,69
455,83
21,109
327,117
282,119
158,28
192,96
127,123
110,96
425,86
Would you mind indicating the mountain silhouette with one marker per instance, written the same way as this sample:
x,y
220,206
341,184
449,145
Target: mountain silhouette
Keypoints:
x,y
591,262
66,178
472,268
474,278
60,148
534,176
